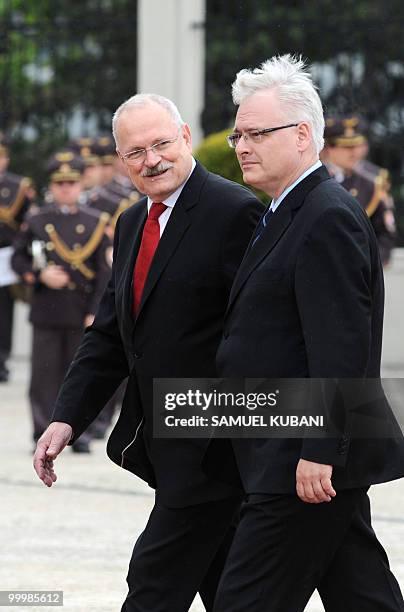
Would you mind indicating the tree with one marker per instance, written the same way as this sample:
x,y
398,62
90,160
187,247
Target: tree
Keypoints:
x,y
64,68
356,50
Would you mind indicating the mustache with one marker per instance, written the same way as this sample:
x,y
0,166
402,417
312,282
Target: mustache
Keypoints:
x,y
161,167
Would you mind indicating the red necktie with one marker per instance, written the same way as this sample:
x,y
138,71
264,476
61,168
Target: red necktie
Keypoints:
x,y
148,246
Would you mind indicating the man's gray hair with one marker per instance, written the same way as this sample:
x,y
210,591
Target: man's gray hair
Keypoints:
x,y
292,83
144,99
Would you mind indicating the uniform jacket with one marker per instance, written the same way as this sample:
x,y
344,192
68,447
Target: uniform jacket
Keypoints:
x,y
77,242
122,187
100,198
176,333
13,205
372,195
307,301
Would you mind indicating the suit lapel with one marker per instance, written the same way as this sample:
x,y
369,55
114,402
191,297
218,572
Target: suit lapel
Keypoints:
x,y
277,225
133,240
177,225
255,253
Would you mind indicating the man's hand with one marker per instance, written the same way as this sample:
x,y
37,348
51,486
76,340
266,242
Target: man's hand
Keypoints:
x,y
313,482
29,278
49,446
54,277
89,320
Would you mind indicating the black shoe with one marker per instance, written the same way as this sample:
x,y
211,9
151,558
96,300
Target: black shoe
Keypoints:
x,y
98,433
4,374
81,447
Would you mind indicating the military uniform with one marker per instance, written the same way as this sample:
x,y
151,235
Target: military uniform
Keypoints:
x,y
103,200
84,147
117,194
14,203
122,186
368,183
75,240
105,149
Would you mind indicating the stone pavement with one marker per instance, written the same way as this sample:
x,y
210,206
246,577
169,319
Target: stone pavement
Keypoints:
x,y
78,535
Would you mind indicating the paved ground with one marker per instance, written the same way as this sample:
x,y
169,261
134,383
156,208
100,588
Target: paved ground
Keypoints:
x,y
77,536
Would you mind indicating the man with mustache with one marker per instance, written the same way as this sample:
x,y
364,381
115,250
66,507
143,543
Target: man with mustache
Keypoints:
x,y
175,256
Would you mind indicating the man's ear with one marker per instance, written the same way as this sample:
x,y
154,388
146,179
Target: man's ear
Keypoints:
x,y
304,136
186,133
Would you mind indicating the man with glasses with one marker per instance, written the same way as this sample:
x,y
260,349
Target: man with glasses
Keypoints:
x,y
175,257
307,302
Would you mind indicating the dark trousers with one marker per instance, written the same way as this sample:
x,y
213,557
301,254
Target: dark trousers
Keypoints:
x,y
180,552
284,549
6,323
52,353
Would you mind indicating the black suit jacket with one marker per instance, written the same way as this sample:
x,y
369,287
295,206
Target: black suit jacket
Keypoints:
x,y
176,333
307,301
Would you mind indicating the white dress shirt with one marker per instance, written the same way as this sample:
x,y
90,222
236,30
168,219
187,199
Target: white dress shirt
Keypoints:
x,y
275,203
170,202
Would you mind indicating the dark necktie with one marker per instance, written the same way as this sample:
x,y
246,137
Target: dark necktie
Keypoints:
x,y
262,225
148,246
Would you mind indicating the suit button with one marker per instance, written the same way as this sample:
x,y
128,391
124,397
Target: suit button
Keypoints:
x,y
343,445
137,355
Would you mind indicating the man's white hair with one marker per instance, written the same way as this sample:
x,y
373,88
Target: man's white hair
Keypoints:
x,y
144,99
294,87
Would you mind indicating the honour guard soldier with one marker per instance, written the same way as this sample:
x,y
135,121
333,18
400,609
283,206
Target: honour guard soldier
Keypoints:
x,y
92,173
105,148
98,155
103,200
119,184
60,251
115,193
346,145
14,203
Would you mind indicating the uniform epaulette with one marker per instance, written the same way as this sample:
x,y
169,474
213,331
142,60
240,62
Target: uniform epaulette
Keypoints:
x,y
93,213
371,171
41,210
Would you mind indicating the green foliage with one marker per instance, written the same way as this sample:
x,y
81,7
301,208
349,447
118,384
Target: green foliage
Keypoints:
x,y
215,154
64,68
356,49
358,41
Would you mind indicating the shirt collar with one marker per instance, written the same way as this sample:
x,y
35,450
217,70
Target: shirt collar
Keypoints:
x,y
171,200
275,203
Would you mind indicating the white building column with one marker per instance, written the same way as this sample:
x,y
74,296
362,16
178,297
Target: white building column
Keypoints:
x,y
171,55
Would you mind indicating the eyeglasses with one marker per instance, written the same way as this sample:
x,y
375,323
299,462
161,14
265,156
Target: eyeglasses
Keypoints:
x,y
133,158
254,135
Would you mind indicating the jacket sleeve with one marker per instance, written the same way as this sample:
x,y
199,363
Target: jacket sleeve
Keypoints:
x,y
333,281
98,368
21,260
